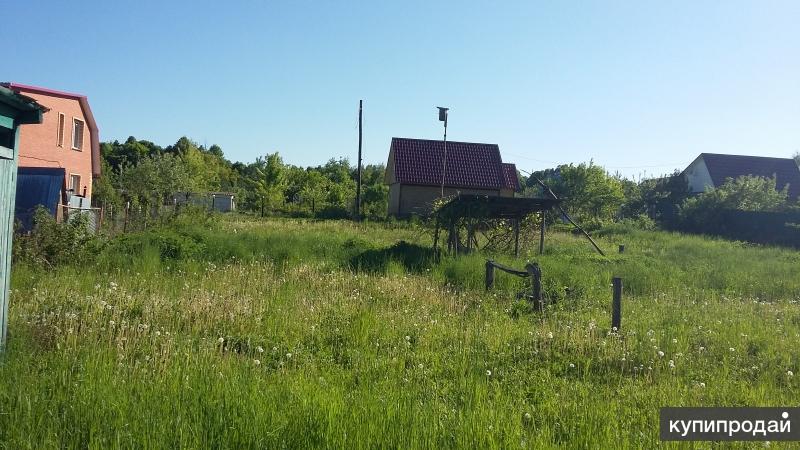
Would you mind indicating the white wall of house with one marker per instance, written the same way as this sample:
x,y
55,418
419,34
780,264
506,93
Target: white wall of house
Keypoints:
x,y
697,176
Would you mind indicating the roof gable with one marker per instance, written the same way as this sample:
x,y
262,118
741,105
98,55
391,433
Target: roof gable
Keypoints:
x,y
87,114
785,170
468,165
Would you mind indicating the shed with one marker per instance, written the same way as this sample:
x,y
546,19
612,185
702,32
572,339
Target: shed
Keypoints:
x,y
415,169
15,110
217,201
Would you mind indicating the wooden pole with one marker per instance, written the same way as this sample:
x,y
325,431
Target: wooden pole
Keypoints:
x,y
516,237
127,211
489,274
358,186
550,192
616,304
535,273
541,233
436,235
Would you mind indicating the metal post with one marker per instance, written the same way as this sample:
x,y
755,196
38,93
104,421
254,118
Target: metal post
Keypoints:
x,y
443,118
542,227
616,304
358,186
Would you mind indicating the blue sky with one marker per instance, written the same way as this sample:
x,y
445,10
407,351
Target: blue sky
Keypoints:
x,y
639,87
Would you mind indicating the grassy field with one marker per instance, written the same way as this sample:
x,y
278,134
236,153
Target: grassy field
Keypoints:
x,y
288,333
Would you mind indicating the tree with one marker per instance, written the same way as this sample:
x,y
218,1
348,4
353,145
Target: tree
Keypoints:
x,y
314,188
154,179
270,181
588,192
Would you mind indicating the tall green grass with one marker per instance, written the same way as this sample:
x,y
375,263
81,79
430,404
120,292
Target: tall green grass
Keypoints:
x,y
288,333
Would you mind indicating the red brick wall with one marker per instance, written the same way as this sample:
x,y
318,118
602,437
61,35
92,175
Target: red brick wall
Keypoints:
x,y
38,143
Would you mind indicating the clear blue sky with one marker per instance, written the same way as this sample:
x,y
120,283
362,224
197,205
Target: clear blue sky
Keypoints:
x,y
637,86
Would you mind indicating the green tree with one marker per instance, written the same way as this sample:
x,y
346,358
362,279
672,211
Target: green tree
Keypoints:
x,y
314,189
154,179
747,193
270,182
588,192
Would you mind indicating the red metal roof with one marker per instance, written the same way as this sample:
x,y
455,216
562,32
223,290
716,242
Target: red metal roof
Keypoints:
x,y
510,178
721,167
468,165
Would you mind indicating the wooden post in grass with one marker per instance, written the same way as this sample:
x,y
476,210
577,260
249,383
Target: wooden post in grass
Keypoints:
x,y
541,233
616,304
489,274
127,211
535,273
516,237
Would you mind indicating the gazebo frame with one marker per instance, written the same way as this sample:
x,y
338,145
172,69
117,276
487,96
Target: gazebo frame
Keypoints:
x,y
465,210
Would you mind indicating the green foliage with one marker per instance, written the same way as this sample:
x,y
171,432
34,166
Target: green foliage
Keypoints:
x,y
743,193
52,244
589,193
154,179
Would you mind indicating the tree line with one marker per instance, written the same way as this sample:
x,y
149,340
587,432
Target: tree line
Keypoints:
x,y
148,175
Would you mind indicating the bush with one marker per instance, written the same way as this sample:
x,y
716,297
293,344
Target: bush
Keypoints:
x,y
703,213
51,244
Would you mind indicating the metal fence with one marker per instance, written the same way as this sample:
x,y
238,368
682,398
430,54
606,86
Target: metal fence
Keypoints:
x,y
93,216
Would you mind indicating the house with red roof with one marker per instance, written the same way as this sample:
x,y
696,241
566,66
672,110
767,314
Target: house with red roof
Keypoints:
x,y
415,168
59,157
711,170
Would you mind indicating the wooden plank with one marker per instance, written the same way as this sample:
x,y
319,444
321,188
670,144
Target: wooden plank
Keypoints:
x,y
511,270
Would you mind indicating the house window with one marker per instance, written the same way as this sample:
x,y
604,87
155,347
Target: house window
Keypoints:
x,y
60,134
75,184
77,134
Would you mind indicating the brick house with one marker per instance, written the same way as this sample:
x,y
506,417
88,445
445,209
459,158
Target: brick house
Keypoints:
x,y
67,140
414,173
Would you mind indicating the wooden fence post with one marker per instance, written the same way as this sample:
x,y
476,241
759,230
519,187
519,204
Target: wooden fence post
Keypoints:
x,y
616,304
489,274
516,238
127,211
535,273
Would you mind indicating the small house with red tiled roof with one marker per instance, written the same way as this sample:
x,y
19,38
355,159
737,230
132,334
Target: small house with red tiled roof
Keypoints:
x,y
711,170
415,166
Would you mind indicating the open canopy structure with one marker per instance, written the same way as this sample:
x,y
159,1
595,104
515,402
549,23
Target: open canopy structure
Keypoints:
x,y
475,212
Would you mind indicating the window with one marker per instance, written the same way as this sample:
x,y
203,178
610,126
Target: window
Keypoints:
x,y
75,184
77,134
60,137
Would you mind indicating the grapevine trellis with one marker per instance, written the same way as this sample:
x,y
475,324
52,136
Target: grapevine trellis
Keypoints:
x,y
497,219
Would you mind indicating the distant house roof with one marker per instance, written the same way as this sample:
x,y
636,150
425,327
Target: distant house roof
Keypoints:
x,y
785,170
468,165
87,112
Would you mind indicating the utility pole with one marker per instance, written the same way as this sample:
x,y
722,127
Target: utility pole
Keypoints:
x,y
443,118
358,186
